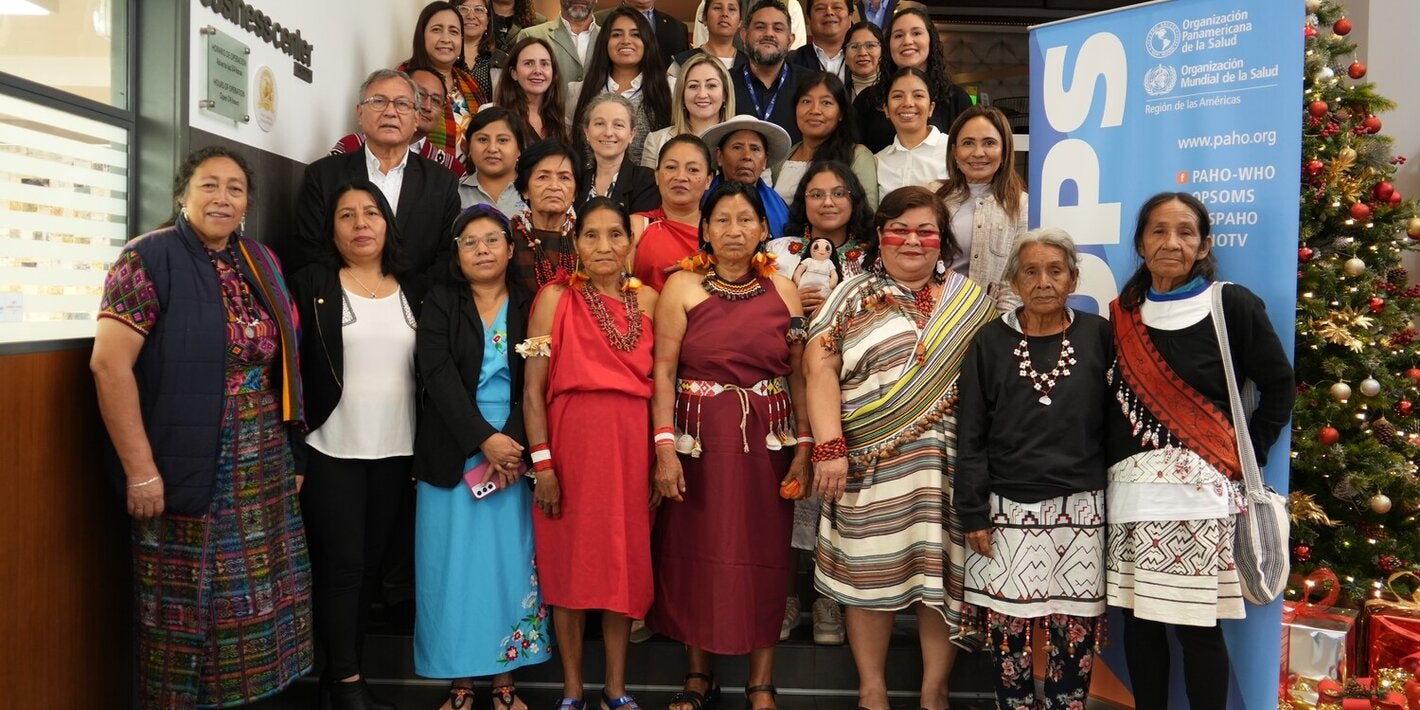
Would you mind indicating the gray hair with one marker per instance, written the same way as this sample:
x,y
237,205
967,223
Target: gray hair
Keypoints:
x,y
608,97
383,74
1048,236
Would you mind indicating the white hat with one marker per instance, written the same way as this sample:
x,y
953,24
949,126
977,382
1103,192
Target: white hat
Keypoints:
x,y
776,140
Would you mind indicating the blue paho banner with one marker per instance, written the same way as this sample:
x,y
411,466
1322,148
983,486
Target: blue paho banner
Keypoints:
x,y
1198,96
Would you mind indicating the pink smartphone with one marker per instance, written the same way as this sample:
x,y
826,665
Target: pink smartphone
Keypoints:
x,y
481,482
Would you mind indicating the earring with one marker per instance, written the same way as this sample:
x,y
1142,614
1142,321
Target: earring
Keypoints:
x,y
183,212
242,226
940,274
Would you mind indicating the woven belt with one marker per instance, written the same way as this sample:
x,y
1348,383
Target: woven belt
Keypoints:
x,y
706,388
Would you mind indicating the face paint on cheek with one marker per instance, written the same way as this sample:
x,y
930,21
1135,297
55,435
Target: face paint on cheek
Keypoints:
x,y
888,241
930,242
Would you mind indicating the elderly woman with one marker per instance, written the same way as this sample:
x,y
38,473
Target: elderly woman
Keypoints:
x,y
1030,474
621,61
481,56
438,43
669,233
882,362
548,179
825,120
195,330
862,54
918,153
830,203
473,531
531,87
357,363
589,360
1169,486
912,42
729,334
744,147
986,198
608,131
702,98
495,141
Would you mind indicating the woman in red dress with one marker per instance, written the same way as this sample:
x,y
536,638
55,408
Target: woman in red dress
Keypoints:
x,y
671,232
586,404
729,334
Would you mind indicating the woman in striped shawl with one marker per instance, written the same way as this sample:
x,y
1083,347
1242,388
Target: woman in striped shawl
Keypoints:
x,y
882,361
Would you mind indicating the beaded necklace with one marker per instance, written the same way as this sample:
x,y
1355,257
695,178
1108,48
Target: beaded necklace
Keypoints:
x,y
239,293
742,290
1044,382
542,266
625,342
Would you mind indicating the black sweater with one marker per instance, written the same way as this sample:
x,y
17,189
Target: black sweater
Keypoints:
x,y
1010,444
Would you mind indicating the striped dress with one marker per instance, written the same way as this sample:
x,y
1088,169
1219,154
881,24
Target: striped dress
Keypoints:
x,y
893,540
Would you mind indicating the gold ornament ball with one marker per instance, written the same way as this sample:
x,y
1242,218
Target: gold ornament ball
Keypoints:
x,y
1380,503
1370,387
1413,227
1313,5
1354,267
1348,153
1340,391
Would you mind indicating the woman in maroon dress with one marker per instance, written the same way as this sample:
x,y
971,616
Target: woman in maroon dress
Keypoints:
x,y
586,397
728,391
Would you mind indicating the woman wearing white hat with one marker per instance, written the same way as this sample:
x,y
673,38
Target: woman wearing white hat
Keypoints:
x,y
744,148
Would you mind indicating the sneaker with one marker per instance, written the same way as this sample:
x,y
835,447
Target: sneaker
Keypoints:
x,y
828,622
640,631
791,618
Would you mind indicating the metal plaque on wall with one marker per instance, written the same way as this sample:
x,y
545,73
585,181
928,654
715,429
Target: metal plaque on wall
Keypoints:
x,y
226,76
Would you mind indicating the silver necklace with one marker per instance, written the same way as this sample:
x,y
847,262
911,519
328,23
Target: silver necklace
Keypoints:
x,y
1044,382
362,285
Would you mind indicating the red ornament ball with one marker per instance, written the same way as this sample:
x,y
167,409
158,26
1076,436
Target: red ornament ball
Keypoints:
x,y
1303,553
1318,108
1328,435
1309,32
1414,374
1360,211
1315,167
1372,124
1356,70
1342,27
1305,254
1377,304
1394,198
1383,190
1405,407
1389,563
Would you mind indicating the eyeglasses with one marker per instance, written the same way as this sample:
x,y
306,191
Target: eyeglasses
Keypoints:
x,y
426,99
491,241
838,194
403,107
470,10
864,46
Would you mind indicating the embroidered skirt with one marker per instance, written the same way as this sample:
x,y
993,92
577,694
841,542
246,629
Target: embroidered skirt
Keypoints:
x,y
1048,558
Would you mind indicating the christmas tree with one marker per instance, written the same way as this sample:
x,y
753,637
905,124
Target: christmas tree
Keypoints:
x,y
1355,494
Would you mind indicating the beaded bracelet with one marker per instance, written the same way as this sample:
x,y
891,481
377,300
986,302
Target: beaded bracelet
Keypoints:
x,y
833,449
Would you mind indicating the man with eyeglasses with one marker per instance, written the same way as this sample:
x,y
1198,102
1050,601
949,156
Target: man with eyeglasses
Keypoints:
x,y
430,101
423,194
828,22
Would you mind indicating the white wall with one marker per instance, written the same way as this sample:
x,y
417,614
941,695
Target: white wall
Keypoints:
x,y
351,38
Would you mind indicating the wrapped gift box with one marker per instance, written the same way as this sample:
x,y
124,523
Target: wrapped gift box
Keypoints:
x,y
1319,640
1393,628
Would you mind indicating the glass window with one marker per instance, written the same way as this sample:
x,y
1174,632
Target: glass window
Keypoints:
x,y
76,46
63,218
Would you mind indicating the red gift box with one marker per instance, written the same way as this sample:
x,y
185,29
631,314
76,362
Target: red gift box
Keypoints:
x,y
1393,629
1334,693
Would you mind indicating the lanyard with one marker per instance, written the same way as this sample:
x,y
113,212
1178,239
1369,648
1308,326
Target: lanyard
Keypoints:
x,y
751,83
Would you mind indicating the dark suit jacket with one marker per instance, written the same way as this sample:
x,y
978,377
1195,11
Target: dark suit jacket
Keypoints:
x,y
428,204
316,293
672,35
887,15
783,113
448,353
680,59
807,58
635,189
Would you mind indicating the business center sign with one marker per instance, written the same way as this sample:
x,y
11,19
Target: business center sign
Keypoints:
x,y
260,25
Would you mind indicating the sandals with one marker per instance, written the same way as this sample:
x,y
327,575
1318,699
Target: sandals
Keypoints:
x,y
625,701
504,696
460,696
571,704
749,696
695,699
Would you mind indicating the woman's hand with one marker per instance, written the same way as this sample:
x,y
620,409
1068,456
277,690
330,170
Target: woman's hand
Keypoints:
x,y
980,541
548,494
502,452
810,297
800,470
670,479
831,479
507,475
145,502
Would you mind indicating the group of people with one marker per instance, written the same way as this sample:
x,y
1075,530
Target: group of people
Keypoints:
x,y
636,346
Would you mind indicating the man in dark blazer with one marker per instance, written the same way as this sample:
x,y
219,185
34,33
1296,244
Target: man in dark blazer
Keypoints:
x,y
672,35
828,24
423,194
878,12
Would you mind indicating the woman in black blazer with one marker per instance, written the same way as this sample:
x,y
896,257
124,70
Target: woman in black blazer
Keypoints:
x,y
358,319
474,577
607,130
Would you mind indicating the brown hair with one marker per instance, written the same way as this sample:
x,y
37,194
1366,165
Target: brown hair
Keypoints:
x,y
509,94
1006,185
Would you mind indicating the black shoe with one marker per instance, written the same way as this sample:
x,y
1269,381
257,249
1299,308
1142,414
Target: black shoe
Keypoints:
x,y
355,695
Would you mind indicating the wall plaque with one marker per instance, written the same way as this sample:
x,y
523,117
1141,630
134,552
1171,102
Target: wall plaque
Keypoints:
x,y
226,76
